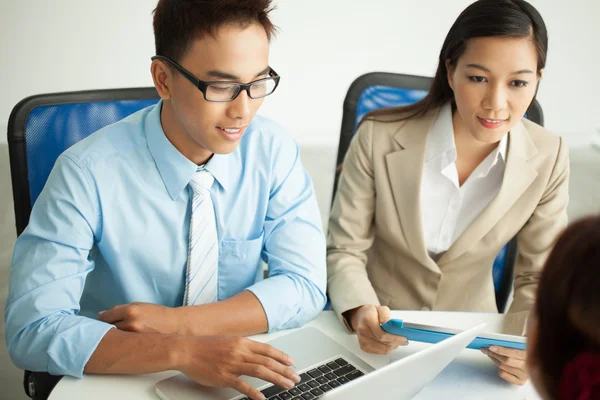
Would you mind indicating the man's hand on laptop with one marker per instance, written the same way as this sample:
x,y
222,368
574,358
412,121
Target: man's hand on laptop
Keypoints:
x,y
142,317
511,363
366,320
220,361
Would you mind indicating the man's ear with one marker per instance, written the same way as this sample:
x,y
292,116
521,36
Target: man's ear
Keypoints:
x,y
162,77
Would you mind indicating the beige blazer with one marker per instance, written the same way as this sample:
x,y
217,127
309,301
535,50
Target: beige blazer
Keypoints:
x,y
376,252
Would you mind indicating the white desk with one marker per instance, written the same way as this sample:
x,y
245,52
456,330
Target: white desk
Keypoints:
x,y
470,376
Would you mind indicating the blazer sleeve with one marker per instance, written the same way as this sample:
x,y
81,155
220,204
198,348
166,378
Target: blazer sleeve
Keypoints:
x,y
536,239
351,228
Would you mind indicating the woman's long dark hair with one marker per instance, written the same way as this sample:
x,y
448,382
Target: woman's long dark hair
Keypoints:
x,y
568,303
484,18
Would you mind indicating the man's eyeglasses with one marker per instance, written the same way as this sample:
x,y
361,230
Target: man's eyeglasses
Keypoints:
x,y
223,91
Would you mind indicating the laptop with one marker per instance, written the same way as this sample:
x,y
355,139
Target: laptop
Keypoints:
x,y
329,371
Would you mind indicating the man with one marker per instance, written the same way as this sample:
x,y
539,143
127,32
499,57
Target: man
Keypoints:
x,y
157,225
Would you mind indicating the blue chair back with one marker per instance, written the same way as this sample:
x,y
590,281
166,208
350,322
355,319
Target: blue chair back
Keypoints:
x,y
382,90
41,127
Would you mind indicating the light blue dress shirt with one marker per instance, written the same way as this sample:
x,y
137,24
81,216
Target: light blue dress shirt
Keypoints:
x,y
112,227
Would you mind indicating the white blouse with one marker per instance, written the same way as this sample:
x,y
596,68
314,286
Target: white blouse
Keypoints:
x,y
447,209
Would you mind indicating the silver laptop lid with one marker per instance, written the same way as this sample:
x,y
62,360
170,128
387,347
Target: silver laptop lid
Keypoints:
x,y
405,378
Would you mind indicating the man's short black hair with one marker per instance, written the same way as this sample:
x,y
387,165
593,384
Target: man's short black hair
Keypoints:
x,y
178,22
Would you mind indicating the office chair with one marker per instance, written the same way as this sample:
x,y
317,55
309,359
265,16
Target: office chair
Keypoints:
x,y
40,128
382,89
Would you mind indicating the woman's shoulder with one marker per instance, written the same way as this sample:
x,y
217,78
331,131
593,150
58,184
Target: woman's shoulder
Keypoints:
x,y
399,114
544,139
394,121
537,131
546,147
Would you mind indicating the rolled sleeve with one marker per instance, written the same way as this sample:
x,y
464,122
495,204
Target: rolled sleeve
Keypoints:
x,y
294,246
48,271
78,337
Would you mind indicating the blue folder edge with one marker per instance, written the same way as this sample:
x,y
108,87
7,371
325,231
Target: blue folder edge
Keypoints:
x,y
395,326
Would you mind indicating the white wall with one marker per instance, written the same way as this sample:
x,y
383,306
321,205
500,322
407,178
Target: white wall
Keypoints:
x,y
63,45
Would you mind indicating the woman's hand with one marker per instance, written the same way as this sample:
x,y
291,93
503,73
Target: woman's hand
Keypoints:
x,y
366,321
510,362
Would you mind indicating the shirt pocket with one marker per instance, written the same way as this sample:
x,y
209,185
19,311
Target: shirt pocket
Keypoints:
x,y
240,265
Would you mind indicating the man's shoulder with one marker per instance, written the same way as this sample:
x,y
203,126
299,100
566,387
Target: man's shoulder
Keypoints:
x,y
119,139
268,135
265,127
267,146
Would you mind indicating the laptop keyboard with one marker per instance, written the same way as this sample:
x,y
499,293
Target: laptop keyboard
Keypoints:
x,y
315,381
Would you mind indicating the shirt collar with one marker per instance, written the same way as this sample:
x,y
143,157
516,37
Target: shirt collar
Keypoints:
x,y
441,143
225,167
492,159
175,169
219,167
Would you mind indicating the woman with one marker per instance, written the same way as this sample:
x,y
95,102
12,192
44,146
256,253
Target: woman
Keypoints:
x,y
430,193
564,331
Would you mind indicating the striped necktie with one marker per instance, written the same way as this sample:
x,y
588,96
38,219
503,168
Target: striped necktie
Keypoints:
x,y
203,252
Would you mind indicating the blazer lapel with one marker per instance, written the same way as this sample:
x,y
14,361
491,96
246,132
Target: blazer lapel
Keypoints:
x,y
405,168
518,175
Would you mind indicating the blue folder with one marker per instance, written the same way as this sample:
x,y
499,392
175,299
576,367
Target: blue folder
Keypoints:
x,y
433,334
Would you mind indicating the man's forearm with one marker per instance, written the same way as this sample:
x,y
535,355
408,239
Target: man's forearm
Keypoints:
x,y
121,352
241,315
